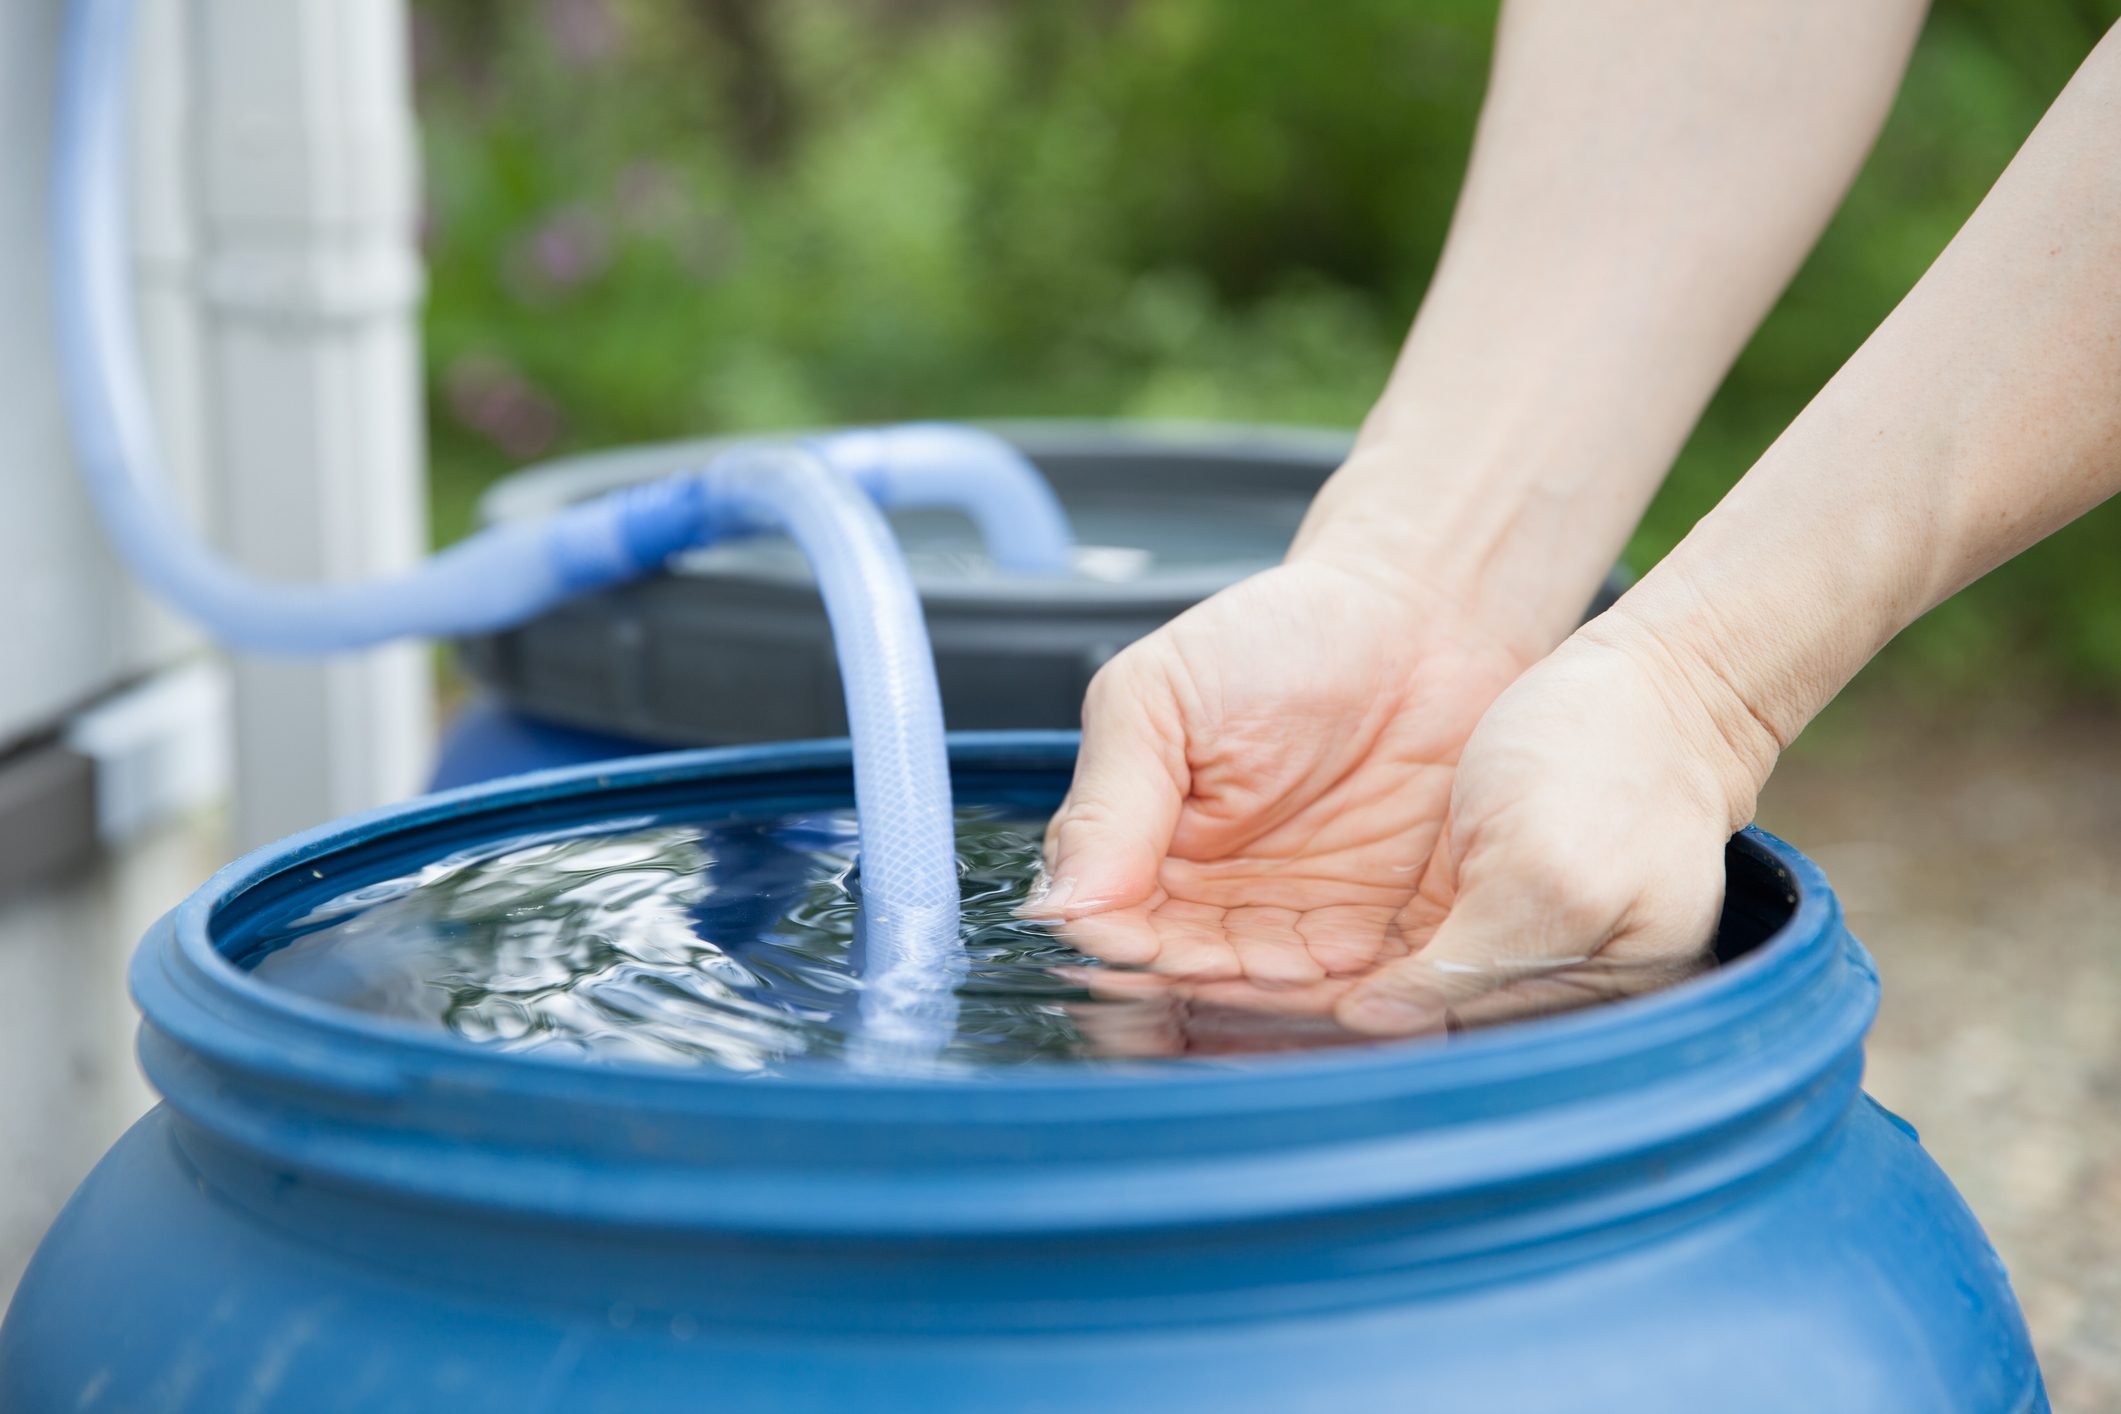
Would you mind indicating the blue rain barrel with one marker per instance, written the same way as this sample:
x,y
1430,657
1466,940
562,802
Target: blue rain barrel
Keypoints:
x,y
1676,1203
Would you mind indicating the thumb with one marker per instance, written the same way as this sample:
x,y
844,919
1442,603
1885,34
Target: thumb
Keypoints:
x,y
1109,837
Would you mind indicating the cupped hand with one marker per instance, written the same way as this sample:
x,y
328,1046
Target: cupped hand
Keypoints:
x,y
1283,805
1263,783
1582,856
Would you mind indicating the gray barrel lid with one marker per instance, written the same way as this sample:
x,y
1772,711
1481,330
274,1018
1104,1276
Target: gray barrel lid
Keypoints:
x,y
732,645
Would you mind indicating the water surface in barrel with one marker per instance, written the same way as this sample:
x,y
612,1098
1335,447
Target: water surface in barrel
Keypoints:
x,y
735,945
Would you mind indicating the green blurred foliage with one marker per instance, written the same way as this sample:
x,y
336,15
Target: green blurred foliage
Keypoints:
x,y
654,218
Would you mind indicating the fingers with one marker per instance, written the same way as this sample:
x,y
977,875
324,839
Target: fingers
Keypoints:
x,y
1173,938
1144,1014
1417,995
1105,844
1603,979
1502,929
1202,943
1547,929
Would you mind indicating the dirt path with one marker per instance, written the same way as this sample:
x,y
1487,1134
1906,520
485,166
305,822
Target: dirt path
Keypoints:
x,y
1982,865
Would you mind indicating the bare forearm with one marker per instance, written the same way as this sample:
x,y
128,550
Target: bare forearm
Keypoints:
x,y
1982,415
1646,178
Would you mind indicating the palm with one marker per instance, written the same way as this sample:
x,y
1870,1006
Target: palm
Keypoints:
x,y
1321,723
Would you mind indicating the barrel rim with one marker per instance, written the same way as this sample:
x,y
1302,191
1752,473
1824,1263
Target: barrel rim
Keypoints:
x,y
1814,919
1708,1083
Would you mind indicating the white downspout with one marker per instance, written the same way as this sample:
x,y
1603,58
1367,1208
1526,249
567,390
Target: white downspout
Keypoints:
x,y
303,157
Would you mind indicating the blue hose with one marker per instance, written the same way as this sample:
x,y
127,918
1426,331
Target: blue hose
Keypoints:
x,y
942,464
497,578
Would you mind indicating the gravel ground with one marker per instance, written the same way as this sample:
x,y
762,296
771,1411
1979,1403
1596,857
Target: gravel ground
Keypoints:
x,y
1982,866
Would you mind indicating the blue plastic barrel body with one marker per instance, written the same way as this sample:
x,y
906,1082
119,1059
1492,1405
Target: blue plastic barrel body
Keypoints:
x,y
1675,1203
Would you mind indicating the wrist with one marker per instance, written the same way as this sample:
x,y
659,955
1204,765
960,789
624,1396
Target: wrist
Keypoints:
x,y
1716,722
1474,528
1750,627
1823,552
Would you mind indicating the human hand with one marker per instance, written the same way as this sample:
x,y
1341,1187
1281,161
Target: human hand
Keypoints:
x,y
1262,783
1582,851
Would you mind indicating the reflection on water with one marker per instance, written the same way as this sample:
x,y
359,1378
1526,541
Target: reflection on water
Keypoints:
x,y
734,945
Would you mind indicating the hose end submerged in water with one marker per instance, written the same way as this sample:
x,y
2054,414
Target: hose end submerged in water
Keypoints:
x,y
908,846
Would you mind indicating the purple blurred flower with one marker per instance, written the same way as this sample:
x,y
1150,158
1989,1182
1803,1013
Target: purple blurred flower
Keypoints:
x,y
491,397
567,249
